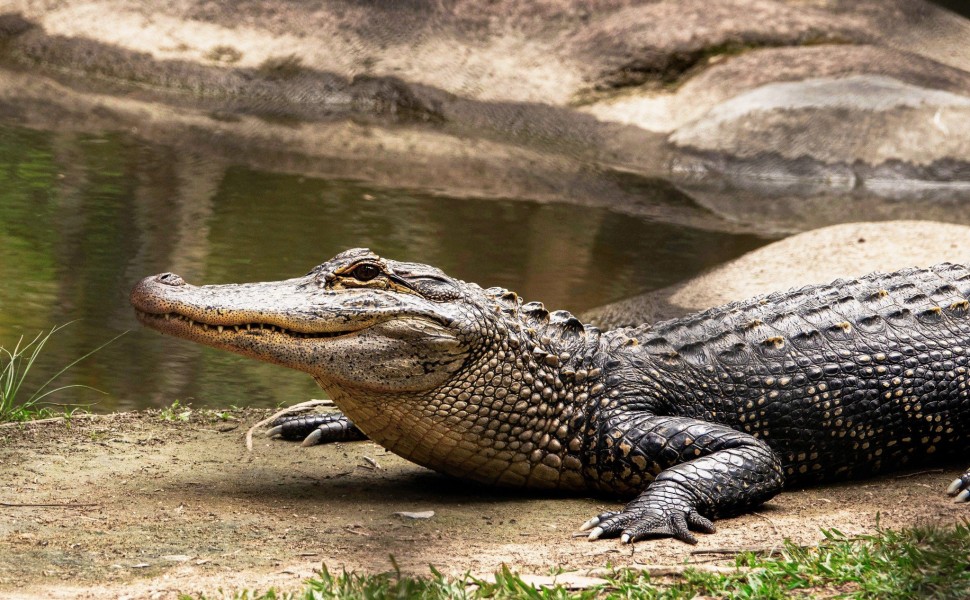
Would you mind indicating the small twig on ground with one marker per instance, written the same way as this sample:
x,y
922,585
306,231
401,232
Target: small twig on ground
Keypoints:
x,y
918,473
767,551
47,505
714,558
373,463
49,420
669,570
770,522
285,411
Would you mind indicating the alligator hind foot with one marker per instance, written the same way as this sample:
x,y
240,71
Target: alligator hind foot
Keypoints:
x,y
960,488
657,515
316,429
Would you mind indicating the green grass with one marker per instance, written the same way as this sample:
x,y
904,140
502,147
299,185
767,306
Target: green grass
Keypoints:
x,y
15,364
919,562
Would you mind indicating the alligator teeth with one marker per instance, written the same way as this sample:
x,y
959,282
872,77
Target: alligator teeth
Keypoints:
x,y
250,327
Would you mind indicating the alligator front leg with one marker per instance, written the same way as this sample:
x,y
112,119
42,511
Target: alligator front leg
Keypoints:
x,y
316,429
703,471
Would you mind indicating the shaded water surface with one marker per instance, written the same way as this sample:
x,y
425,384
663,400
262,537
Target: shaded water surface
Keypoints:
x,y
83,217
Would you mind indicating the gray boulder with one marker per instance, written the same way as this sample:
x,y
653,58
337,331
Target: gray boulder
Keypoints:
x,y
851,131
849,94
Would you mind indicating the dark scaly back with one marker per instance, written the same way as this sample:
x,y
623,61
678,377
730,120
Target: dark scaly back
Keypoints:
x,y
845,378
877,303
556,331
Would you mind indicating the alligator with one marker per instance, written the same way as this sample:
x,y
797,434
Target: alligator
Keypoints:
x,y
692,419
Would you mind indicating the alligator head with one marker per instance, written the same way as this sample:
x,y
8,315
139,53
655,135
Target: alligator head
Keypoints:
x,y
357,322
432,368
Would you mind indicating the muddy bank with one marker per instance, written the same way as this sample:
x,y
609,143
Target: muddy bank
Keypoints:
x,y
161,506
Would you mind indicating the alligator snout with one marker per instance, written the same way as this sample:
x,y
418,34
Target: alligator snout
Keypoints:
x,y
154,294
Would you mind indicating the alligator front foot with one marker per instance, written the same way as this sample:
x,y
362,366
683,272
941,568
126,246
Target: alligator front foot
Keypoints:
x,y
960,488
316,429
665,512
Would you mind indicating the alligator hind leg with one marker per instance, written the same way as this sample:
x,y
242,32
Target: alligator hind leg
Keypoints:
x,y
316,429
960,488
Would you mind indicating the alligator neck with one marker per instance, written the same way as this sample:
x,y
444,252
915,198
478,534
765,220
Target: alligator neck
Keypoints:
x,y
512,416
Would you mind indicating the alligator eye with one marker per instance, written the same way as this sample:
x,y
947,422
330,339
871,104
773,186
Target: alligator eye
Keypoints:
x,y
365,272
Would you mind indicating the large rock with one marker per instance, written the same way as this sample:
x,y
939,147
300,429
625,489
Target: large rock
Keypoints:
x,y
506,50
511,50
749,88
818,256
725,77
848,116
844,130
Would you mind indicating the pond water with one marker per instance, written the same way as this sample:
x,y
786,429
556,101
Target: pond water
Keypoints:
x,y
83,217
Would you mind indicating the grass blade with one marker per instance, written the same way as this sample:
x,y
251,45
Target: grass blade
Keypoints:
x,y
15,364
33,398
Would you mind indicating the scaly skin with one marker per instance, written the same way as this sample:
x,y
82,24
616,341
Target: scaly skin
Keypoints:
x,y
695,418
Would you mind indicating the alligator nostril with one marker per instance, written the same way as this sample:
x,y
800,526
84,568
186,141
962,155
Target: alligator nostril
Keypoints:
x,y
170,279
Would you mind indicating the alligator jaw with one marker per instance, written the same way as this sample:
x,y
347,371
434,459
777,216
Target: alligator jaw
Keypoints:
x,y
232,317
174,323
205,314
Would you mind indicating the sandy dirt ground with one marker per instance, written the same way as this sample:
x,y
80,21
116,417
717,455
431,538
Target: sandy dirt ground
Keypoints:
x,y
132,505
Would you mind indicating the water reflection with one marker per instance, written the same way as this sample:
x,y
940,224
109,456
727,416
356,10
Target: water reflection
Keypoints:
x,y
83,217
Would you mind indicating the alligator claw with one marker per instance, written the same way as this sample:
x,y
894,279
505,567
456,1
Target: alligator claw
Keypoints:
x,y
313,439
274,431
960,488
596,520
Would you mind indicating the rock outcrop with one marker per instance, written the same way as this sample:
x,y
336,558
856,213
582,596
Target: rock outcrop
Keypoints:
x,y
847,97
